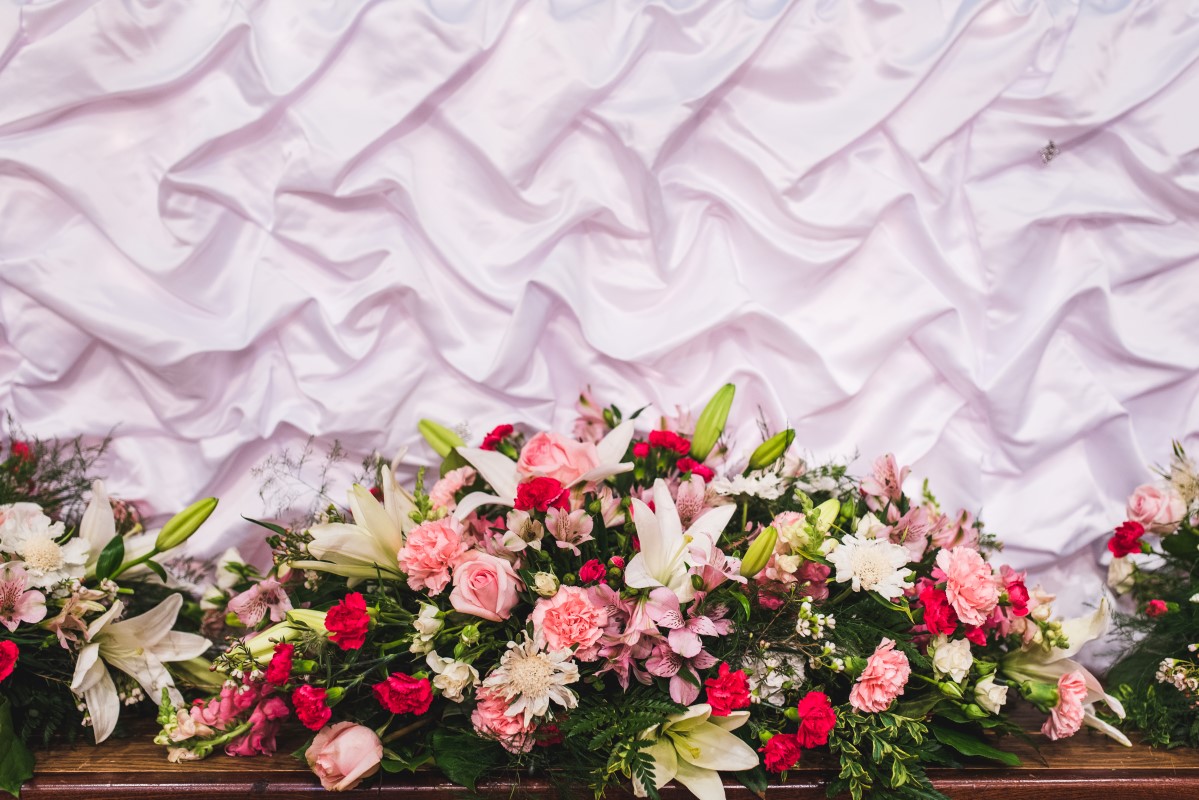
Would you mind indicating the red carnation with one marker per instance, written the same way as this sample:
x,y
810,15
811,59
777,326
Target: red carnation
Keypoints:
x,y
310,706
728,692
8,658
640,449
1127,539
404,694
21,451
279,670
816,719
975,634
541,494
670,440
592,571
781,752
1017,595
348,621
1157,608
939,616
689,464
492,440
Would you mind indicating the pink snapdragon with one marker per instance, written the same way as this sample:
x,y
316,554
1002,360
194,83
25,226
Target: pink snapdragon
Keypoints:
x,y
265,596
969,584
18,604
429,551
886,674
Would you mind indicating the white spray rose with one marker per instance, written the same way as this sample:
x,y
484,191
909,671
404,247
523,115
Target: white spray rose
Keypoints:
x,y
989,695
545,584
952,658
454,678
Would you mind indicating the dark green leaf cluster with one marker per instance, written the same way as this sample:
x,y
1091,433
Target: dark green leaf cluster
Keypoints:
x,y
883,755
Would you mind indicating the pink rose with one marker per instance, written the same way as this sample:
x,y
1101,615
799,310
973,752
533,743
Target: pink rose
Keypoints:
x,y
550,455
883,680
429,551
1066,717
570,618
484,586
343,755
442,493
1159,511
491,721
969,584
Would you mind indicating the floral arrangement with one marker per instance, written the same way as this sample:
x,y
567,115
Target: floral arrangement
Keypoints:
x,y
645,606
1155,564
86,616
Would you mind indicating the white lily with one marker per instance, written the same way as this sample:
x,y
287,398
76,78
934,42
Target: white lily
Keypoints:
x,y
500,473
664,559
1048,664
98,525
367,548
140,647
693,747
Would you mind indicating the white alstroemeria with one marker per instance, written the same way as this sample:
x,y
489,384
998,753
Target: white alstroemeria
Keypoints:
x,y
693,747
368,547
1036,662
951,658
664,559
500,473
766,485
140,647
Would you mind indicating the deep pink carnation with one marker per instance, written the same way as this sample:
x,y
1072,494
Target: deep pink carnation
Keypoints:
x,y
541,494
669,440
727,692
310,706
428,552
348,621
816,719
781,753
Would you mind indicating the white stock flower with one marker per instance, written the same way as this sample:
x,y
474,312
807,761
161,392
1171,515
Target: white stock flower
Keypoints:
x,y
952,658
990,695
872,565
765,485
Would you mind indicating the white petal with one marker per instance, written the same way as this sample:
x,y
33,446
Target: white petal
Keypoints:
x,y
369,514
703,783
98,526
666,761
351,544
1081,630
692,717
397,502
637,574
496,468
103,705
713,522
649,535
99,622
602,472
144,630
87,669
715,748
613,446
477,499
732,722
668,515
1090,720
180,646
354,571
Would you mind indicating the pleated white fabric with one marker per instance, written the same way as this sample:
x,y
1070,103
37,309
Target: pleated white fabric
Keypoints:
x,y
224,225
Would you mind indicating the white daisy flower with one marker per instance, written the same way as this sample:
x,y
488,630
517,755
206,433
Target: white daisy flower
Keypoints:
x,y
872,565
31,535
529,679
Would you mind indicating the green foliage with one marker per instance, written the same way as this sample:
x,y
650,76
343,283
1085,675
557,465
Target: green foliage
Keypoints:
x,y
463,757
16,762
969,745
55,475
882,756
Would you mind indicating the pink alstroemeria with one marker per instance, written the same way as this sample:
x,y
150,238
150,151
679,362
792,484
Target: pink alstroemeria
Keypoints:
x,y
689,500
569,529
665,663
663,608
252,605
16,604
712,564
885,483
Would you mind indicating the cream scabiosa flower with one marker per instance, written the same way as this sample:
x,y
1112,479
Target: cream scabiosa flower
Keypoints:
x,y
693,747
872,565
140,647
501,474
529,679
28,533
664,559
370,546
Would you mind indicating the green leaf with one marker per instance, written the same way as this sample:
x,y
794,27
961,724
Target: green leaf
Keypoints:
x,y
157,569
270,526
754,780
405,765
1182,544
110,557
16,762
462,757
970,746
453,461
878,598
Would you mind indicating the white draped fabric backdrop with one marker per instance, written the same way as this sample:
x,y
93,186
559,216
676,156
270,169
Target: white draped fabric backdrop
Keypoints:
x,y
227,225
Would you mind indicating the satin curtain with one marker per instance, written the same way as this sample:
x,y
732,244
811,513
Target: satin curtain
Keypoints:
x,y
226,225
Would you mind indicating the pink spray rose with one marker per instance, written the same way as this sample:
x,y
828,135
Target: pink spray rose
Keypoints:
x,y
570,618
429,551
343,755
886,674
1159,511
550,455
484,586
969,584
1066,717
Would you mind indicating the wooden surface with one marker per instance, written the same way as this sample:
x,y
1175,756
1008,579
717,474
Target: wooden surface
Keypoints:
x,y
1087,766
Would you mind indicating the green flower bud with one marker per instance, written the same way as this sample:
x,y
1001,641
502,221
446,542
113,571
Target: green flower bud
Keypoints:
x,y
771,450
710,424
184,524
792,713
759,552
440,438
826,515
950,689
1042,695
973,711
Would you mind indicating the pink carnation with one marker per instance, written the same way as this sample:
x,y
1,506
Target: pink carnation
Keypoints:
x,y
442,493
491,721
886,674
550,455
1066,717
570,618
969,584
429,551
